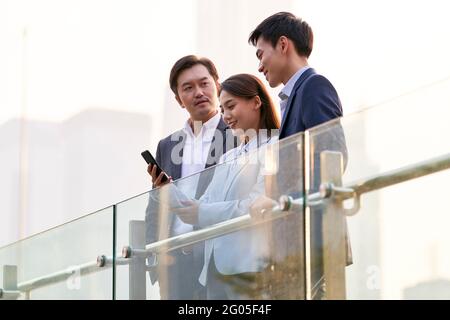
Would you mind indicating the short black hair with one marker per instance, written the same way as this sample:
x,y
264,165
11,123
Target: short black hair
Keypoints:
x,y
288,25
188,62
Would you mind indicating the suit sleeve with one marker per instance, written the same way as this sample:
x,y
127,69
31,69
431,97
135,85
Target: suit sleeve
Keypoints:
x,y
320,102
152,210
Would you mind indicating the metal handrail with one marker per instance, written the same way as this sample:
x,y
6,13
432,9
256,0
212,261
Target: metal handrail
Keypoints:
x,y
404,174
59,276
218,229
9,294
286,206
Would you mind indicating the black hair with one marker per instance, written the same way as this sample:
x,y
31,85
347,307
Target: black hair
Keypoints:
x,y
288,25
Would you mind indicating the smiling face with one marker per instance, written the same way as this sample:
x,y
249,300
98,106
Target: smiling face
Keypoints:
x,y
197,92
240,113
271,61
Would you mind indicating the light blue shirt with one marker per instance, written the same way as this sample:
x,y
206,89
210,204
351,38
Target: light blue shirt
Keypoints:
x,y
285,93
246,147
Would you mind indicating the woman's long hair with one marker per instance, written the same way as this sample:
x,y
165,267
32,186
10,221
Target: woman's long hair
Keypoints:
x,y
248,86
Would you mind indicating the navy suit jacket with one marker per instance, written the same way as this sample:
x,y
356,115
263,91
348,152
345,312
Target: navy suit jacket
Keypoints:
x,y
313,101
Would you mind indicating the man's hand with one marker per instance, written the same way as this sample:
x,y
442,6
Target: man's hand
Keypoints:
x,y
188,213
260,204
157,180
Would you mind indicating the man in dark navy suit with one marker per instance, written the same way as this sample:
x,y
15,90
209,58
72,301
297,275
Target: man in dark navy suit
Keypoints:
x,y
283,44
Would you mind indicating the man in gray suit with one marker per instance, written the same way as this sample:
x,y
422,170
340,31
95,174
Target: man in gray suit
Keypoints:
x,y
199,145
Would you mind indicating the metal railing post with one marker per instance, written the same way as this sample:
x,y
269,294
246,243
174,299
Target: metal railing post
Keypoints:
x,y
10,287
10,278
333,228
137,267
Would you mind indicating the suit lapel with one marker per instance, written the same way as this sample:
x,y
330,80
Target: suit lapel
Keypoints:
x,y
297,85
213,156
177,166
176,169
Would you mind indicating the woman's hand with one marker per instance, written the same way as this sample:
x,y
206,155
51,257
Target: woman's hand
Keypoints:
x,y
260,205
188,213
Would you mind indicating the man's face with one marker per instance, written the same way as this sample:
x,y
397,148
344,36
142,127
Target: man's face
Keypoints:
x,y
270,61
197,92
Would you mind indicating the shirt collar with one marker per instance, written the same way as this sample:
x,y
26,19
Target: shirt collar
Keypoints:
x,y
285,93
208,126
253,144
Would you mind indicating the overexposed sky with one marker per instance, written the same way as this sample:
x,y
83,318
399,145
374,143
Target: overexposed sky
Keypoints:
x,y
81,54
117,54
375,50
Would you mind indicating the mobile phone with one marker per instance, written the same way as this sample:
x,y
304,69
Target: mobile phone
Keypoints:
x,y
150,160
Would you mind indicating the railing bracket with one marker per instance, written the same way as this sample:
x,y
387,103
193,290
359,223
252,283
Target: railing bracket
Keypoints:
x,y
328,190
101,261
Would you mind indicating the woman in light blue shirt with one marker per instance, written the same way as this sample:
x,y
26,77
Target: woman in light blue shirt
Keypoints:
x,y
238,181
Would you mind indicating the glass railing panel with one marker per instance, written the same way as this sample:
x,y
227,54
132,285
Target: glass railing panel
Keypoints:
x,y
398,240
61,263
131,230
262,258
327,139
146,219
286,275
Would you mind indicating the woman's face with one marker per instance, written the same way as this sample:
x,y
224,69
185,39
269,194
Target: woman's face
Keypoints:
x,y
240,113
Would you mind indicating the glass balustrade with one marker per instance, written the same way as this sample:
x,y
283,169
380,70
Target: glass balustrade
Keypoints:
x,y
61,263
259,257
370,223
398,238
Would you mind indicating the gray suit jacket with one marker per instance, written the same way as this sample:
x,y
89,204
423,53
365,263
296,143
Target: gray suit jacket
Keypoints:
x,y
170,149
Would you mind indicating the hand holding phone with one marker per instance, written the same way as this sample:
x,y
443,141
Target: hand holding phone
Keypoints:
x,y
150,160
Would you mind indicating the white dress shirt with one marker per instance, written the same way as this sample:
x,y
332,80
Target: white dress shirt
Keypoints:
x,y
195,155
